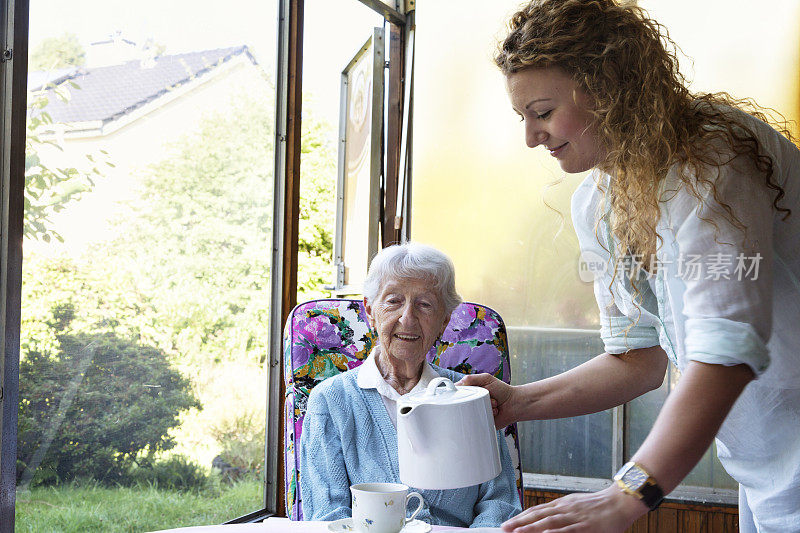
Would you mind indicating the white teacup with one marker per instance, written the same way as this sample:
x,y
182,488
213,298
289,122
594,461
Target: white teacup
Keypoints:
x,y
381,507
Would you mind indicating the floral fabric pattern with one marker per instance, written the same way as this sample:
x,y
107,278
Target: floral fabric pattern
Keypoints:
x,y
323,338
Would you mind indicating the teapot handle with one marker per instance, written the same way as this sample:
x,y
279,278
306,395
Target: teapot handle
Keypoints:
x,y
433,386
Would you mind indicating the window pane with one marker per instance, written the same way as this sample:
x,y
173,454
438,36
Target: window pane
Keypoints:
x,y
146,273
578,446
478,195
644,410
324,60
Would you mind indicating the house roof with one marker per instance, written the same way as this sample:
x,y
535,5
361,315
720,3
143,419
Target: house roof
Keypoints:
x,y
110,92
38,79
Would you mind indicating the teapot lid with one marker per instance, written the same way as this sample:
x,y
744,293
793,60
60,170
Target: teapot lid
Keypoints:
x,y
443,391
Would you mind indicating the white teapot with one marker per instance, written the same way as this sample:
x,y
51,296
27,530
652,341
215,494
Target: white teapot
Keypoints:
x,y
446,437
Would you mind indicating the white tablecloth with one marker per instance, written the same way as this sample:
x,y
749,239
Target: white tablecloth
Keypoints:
x,y
284,525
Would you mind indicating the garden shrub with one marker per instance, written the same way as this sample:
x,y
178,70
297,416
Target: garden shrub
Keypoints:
x,y
241,440
94,406
175,473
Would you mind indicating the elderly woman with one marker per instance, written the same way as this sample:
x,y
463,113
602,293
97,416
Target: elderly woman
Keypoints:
x,y
349,432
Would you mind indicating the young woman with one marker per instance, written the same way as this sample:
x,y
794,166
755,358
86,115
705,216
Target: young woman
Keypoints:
x,y
689,204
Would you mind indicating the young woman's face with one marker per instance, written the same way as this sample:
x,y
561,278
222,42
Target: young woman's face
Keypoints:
x,y
556,116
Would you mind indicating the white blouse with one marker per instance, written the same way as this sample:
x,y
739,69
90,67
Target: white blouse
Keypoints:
x,y
721,296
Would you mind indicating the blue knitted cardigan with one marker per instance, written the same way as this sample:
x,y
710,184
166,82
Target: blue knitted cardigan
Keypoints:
x,y
348,438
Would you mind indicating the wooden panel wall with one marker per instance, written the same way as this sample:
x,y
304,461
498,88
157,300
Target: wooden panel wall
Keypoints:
x,y
669,517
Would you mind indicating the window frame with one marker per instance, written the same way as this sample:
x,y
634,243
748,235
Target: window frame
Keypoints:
x,y
374,46
13,98
684,494
283,281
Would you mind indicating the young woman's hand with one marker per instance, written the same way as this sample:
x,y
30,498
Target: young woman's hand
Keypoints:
x,y
503,397
607,511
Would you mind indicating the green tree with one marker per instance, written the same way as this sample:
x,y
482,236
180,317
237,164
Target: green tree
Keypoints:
x,y
188,271
93,404
196,242
317,208
201,234
49,188
57,52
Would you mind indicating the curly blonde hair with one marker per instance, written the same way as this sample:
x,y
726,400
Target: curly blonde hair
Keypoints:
x,y
644,116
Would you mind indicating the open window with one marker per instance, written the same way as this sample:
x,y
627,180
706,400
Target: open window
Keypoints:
x,y
367,67
360,165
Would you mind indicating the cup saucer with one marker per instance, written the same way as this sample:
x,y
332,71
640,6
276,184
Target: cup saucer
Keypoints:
x,y
416,526
346,524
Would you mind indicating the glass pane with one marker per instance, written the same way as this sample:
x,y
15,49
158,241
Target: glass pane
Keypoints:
x,y
478,195
578,446
324,59
643,412
359,162
146,273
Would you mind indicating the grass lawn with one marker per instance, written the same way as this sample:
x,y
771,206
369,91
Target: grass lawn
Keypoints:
x,y
93,508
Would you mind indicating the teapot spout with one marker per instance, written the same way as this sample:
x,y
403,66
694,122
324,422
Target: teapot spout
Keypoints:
x,y
412,422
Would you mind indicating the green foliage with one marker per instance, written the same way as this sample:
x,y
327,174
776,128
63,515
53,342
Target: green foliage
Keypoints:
x,y
89,507
241,440
63,295
48,187
184,281
201,233
195,245
57,52
92,404
175,473
94,397
317,211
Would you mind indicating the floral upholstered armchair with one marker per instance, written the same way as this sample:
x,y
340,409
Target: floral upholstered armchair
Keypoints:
x,y
323,338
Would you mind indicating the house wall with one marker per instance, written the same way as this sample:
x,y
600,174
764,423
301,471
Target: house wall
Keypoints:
x,y
142,142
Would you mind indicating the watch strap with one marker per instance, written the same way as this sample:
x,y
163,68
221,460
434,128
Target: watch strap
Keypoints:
x,y
652,495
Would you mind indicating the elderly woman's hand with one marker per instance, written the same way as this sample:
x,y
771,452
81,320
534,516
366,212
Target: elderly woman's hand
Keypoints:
x,y
502,395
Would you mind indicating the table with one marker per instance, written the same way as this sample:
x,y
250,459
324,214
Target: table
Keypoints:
x,y
284,525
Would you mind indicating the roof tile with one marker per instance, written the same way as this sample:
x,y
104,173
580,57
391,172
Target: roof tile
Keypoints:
x,y
106,93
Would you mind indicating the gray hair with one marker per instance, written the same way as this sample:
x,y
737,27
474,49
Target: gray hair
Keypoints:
x,y
416,261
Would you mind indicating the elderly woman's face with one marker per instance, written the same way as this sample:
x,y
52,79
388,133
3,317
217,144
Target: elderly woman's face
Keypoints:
x,y
408,316
556,115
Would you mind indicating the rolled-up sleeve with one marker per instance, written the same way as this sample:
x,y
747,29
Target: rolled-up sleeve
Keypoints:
x,y
727,303
620,334
725,342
